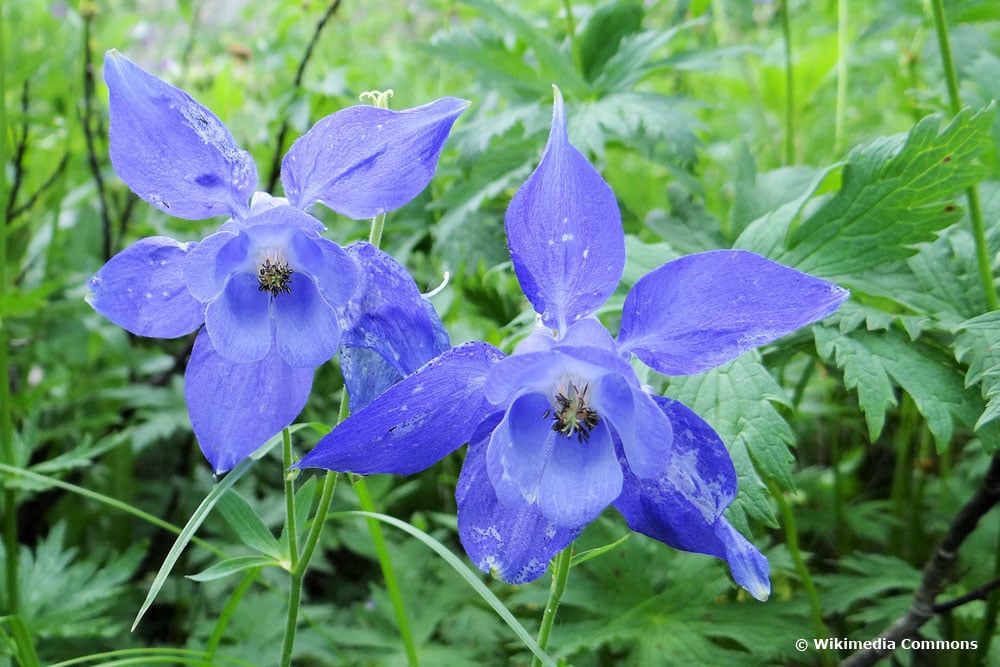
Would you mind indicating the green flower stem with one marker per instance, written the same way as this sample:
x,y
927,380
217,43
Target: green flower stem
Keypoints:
x,y
843,48
378,224
299,565
293,539
9,506
574,46
388,573
786,29
227,612
972,194
560,573
792,541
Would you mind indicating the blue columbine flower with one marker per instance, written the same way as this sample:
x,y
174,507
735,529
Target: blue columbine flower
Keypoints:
x,y
562,428
276,298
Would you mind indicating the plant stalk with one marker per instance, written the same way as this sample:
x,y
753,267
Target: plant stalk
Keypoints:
x,y
560,574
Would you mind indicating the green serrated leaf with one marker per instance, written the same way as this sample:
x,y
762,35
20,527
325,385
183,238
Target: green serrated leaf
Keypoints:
x,y
633,59
862,373
249,527
895,192
978,346
736,399
604,31
232,566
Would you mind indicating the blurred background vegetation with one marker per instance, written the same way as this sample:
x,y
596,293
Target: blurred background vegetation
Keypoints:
x,y
690,112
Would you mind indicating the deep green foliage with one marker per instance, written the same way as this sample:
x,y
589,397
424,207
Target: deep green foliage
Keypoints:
x,y
876,425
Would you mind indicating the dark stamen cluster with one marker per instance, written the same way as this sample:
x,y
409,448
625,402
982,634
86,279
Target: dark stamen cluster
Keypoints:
x,y
571,414
274,277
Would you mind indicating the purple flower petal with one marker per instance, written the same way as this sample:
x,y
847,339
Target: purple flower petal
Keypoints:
x,y
363,161
683,505
236,407
700,311
142,290
645,432
416,422
170,150
569,479
565,233
336,273
511,541
209,264
307,332
239,321
392,321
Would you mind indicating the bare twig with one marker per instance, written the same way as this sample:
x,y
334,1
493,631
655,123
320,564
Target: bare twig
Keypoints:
x,y
15,211
20,150
980,593
272,179
923,608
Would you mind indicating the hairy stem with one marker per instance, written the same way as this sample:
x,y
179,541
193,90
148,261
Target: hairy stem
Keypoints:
x,y
972,193
560,574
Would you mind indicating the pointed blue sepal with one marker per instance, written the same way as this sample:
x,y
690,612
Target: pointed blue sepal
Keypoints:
x,y
564,232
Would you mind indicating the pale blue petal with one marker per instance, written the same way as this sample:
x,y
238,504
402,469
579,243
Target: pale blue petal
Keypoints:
x,y
239,321
363,161
142,290
519,448
565,234
236,407
170,150
307,332
209,265
337,275
579,479
514,542
700,311
416,422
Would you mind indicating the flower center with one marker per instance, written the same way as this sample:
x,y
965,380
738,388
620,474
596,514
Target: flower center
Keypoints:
x,y
571,415
274,275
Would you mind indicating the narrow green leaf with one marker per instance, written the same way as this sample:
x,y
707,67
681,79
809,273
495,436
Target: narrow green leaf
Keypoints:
x,y
584,556
249,527
21,639
471,578
232,566
199,516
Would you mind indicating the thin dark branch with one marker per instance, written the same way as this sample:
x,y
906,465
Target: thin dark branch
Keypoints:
x,y
980,593
33,197
272,179
20,150
922,609
87,120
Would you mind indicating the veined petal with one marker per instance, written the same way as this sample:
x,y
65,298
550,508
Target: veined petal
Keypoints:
x,y
142,290
416,422
564,232
170,150
337,274
363,160
235,407
702,310
306,329
210,263
515,541
239,320
391,319
683,505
